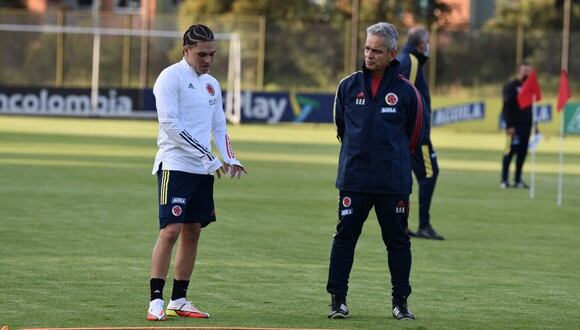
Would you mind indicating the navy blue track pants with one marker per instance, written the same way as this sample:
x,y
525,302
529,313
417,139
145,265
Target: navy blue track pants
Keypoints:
x,y
392,212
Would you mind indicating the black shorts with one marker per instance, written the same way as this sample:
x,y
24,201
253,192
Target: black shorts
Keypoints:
x,y
185,198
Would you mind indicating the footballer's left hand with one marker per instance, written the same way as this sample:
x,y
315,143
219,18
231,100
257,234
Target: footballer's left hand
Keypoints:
x,y
237,170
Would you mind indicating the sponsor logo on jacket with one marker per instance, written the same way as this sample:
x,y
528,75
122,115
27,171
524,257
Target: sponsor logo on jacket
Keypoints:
x,y
389,110
360,99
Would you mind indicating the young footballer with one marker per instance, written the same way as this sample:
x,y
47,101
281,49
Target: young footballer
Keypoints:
x,y
190,112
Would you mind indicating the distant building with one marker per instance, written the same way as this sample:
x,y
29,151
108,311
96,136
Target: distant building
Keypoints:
x,y
480,12
464,13
470,13
134,7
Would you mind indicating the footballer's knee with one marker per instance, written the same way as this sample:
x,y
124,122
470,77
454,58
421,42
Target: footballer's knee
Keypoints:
x,y
191,230
170,233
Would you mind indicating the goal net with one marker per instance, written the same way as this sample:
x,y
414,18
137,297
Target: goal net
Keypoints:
x,y
98,52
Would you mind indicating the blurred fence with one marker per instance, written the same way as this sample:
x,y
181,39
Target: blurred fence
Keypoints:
x,y
298,56
475,59
65,60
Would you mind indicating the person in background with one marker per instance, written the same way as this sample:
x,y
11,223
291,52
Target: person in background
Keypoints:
x,y
518,128
424,161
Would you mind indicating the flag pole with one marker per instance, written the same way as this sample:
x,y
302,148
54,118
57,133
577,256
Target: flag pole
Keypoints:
x,y
533,179
561,162
565,48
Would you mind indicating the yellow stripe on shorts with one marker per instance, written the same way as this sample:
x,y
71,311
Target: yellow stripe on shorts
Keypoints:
x,y
427,161
164,184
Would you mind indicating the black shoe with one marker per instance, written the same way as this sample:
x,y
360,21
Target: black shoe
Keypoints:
x,y
400,309
338,309
410,233
521,185
429,233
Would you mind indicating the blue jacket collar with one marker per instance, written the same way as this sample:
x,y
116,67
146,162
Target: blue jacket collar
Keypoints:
x,y
412,50
393,64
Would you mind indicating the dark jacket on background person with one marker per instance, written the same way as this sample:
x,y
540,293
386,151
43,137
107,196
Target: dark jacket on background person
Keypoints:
x,y
377,133
511,111
418,78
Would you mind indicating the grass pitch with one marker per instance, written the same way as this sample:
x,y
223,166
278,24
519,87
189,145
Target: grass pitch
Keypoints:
x,y
78,222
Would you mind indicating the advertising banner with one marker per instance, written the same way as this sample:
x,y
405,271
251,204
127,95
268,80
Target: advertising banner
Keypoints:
x,y
542,114
68,101
572,118
256,106
286,107
457,113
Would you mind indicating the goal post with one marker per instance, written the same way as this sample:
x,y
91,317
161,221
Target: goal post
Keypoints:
x,y
232,102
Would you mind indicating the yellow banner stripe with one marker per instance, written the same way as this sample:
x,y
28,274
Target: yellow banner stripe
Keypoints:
x,y
427,161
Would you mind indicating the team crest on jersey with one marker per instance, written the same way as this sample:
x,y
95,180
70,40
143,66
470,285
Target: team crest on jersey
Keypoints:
x,y
346,201
176,210
391,99
360,99
401,207
210,89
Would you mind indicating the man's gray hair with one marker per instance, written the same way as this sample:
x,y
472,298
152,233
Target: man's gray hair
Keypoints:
x,y
417,36
387,31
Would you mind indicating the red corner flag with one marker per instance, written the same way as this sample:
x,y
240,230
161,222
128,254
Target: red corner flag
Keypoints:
x,y
564,92
529,89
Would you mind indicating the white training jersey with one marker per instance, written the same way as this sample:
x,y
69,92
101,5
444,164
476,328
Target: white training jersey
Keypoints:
x,y
190,111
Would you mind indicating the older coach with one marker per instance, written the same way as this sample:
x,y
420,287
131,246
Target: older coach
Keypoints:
x,y
378,117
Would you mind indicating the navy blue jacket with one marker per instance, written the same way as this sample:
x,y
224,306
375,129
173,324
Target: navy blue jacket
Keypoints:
x,y
377,134
513,115
420,82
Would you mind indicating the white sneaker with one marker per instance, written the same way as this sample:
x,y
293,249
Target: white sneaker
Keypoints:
x,y
184,308
156,312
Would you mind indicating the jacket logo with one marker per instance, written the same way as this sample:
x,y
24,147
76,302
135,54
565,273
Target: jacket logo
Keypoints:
x,y
210,89
360,99
389,110
400,207
391,99
191,86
